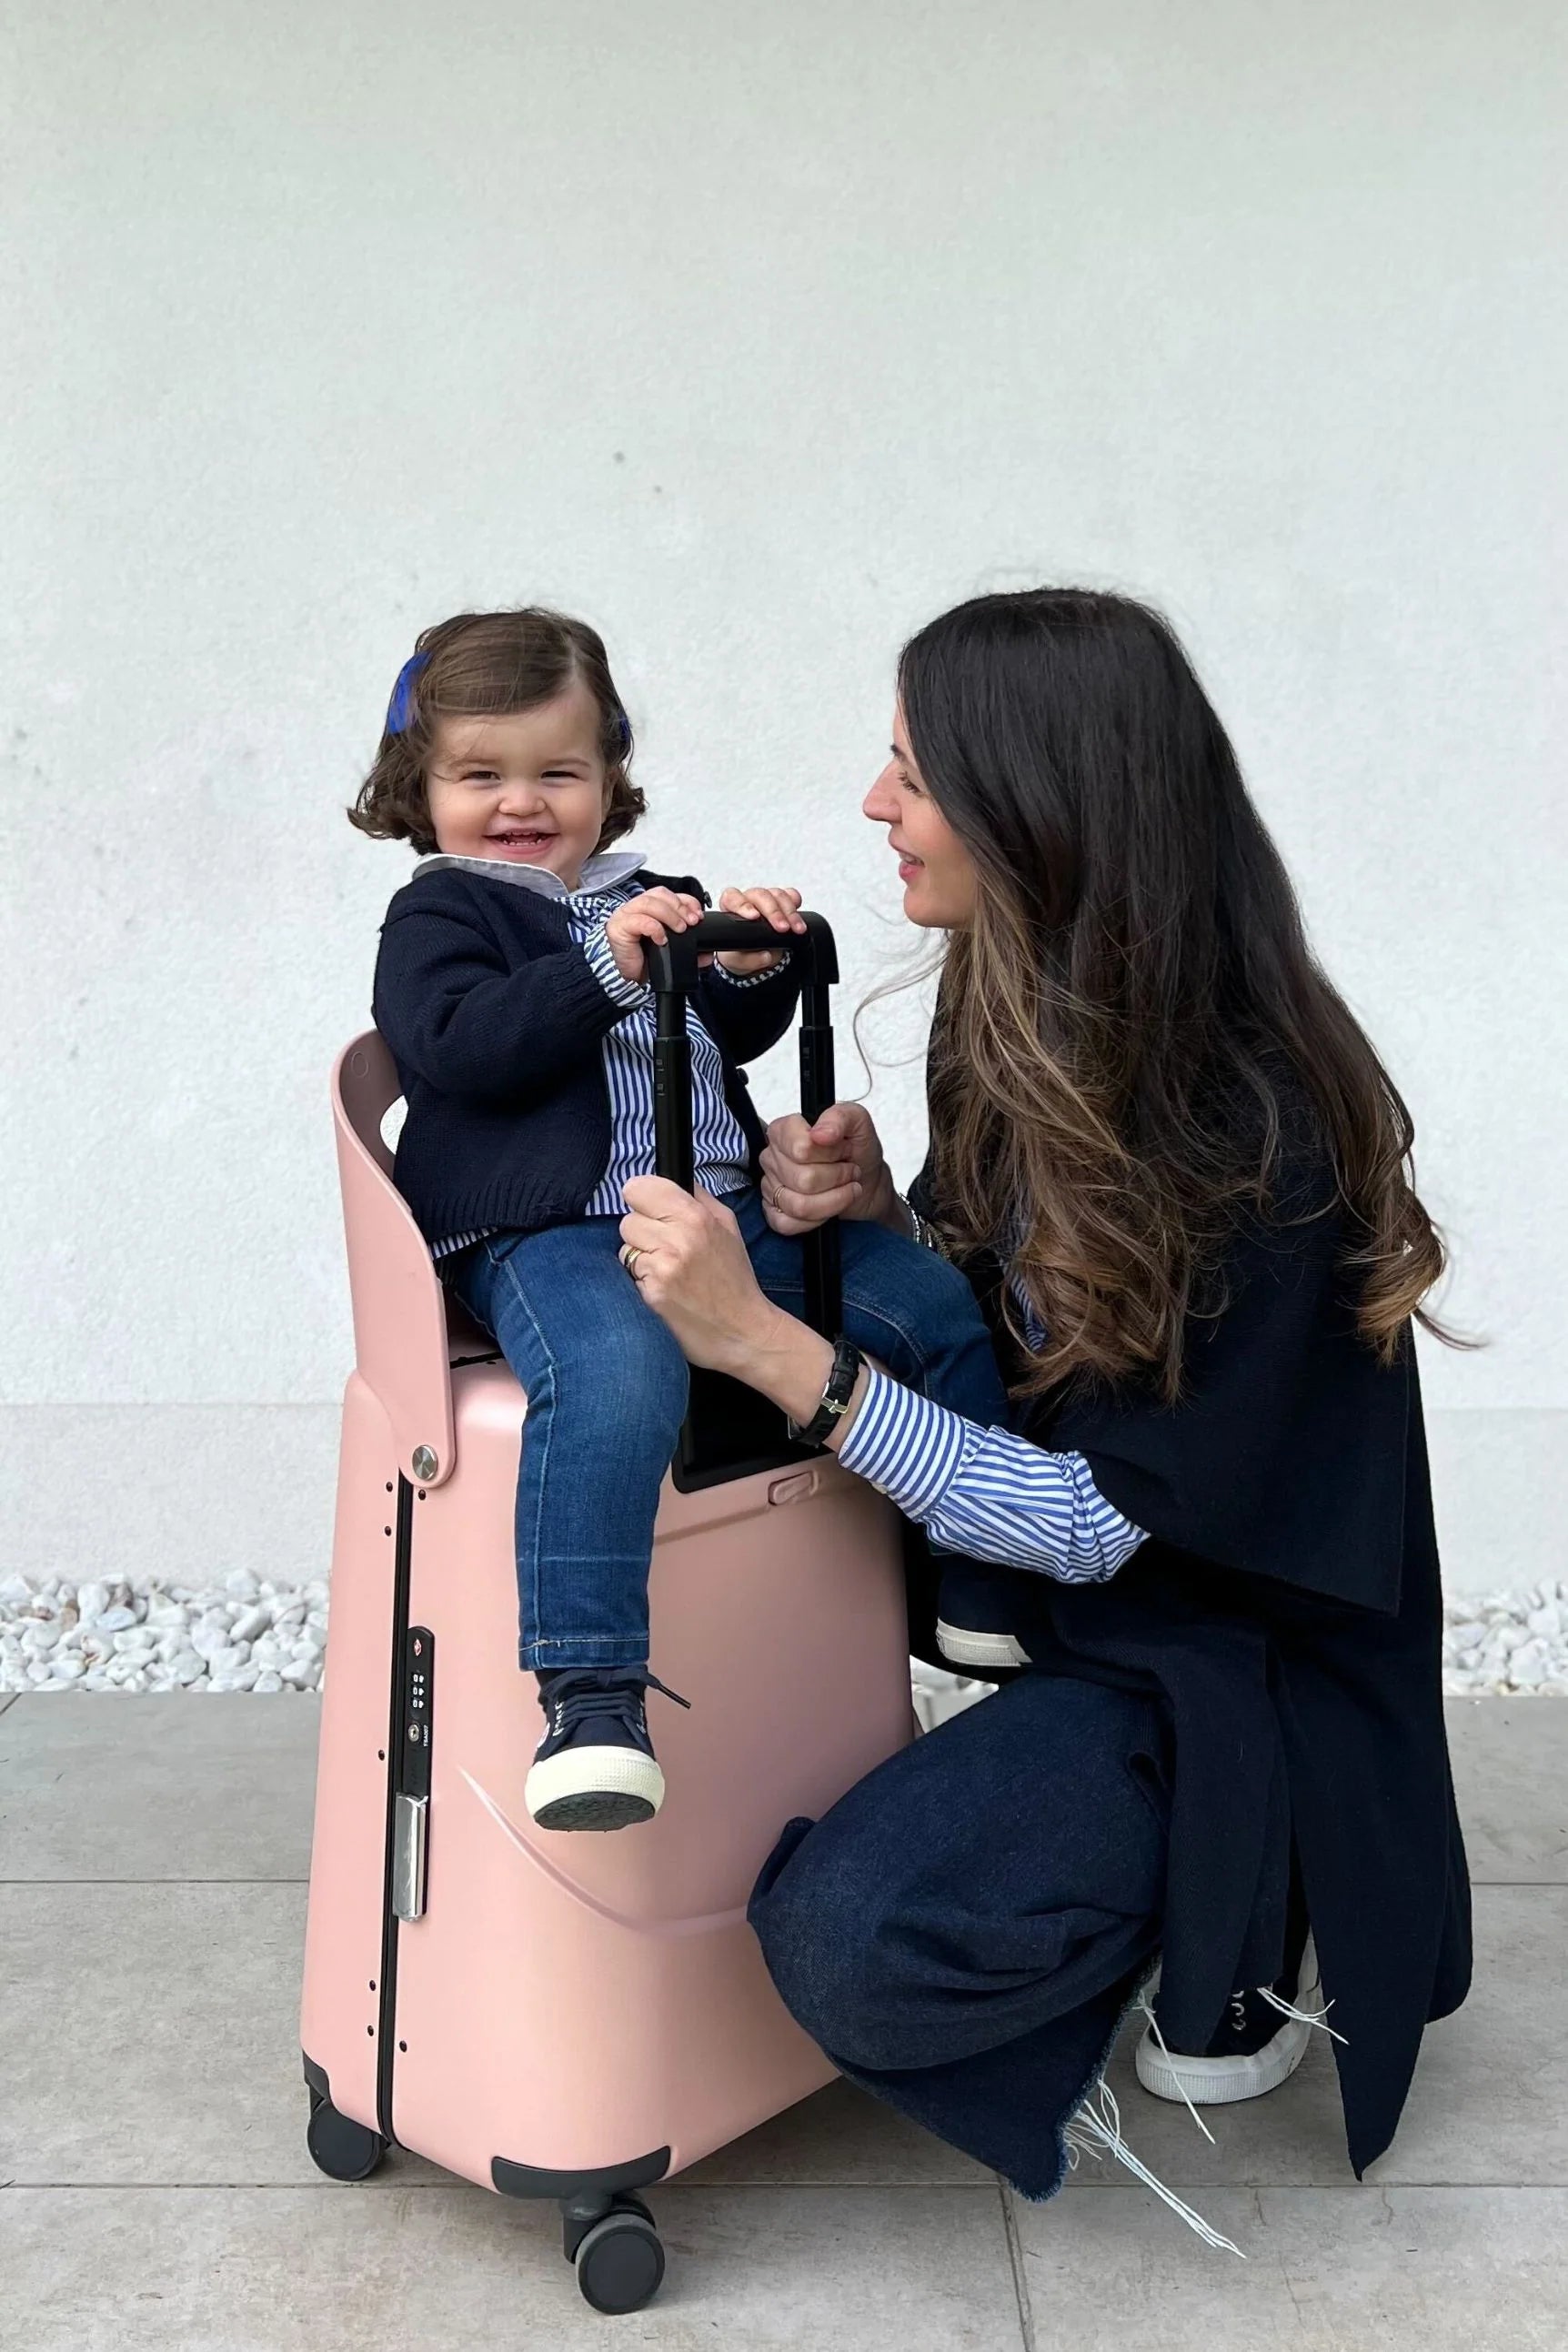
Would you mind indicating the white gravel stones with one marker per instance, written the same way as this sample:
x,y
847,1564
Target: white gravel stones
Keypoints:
x,y
1516,1643
246,1633
242,1633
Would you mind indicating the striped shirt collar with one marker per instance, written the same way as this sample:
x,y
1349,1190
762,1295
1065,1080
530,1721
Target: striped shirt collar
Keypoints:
x,y
605,872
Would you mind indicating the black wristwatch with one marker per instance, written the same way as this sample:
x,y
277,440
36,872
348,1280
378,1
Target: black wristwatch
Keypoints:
x,y
847,1362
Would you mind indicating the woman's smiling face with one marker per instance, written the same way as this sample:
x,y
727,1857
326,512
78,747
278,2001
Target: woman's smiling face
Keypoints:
x,y
935,869
527,788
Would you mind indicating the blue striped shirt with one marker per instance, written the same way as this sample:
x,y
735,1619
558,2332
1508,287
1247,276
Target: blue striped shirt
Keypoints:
x,y
718,1141
722,1157
983,1492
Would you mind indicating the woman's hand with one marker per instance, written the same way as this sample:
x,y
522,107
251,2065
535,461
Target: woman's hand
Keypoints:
x,y
651,915
834,1169
779,907
690,1265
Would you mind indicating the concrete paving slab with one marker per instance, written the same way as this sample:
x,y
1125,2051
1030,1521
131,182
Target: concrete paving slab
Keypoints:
x,y
1510,1778
152,2034
1327,2270
153,1785
865,2269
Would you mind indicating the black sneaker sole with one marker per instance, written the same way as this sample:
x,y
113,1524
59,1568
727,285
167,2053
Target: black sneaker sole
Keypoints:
x,y
598,1809
597,1788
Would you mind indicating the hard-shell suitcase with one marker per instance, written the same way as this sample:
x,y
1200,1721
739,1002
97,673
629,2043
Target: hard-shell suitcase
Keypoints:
x,y
558,2015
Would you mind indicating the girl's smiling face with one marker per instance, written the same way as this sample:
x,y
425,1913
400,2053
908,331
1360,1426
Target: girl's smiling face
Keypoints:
x,y
935,869
527,788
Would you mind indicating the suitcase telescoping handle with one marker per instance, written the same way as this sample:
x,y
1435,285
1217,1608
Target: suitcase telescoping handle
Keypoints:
x,y
672,971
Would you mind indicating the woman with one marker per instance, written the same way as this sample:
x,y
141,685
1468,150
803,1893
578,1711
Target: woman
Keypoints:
x,y
1175,1171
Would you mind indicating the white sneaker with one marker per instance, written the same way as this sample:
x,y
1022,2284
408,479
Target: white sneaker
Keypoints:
x,y
1221,2076
982,1614
967,1645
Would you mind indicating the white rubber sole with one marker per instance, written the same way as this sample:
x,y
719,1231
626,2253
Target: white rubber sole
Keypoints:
x,y
962,1646
1222,2082
593,1789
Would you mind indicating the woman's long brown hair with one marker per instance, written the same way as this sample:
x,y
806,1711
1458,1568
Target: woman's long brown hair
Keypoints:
x,y
1133,1036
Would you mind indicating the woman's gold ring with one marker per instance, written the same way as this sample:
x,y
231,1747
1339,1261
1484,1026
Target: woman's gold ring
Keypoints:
x,y
629,1257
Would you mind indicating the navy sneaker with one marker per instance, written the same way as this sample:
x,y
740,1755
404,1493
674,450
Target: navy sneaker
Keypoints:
x,y
594,1768
980,1613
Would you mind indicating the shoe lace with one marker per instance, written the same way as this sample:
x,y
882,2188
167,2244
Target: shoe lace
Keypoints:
x,y
1147,2006
1319,2017
1096,2129
580,1692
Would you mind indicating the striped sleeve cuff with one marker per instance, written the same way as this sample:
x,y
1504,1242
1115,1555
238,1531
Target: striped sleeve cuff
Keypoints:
x,y
751,979
904,1443
986,1493
628,994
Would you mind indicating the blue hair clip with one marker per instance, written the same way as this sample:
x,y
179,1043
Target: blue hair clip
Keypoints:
x,y
626,743
400,709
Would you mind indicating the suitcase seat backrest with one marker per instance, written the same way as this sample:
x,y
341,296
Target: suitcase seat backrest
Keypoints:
x,y
402,1336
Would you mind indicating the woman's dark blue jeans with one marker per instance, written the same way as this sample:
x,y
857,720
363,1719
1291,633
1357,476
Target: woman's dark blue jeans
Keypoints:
x,y
963,1931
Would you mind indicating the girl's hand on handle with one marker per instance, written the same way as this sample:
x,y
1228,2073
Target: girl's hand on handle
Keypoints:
x,y
833,1168
651,915
779,907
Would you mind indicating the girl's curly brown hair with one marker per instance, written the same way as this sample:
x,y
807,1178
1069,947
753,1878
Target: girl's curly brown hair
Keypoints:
x,y
487,666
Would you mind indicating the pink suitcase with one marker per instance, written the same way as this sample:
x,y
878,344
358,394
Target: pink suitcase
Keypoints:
x,y
550,2014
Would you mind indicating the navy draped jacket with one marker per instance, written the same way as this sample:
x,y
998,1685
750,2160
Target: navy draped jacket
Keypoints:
x,y
1287,1611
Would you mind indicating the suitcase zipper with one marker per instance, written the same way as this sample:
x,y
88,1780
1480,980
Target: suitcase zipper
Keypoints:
x,y
387,2028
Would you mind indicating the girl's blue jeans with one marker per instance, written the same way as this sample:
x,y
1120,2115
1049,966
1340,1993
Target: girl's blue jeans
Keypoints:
x,y
606,1388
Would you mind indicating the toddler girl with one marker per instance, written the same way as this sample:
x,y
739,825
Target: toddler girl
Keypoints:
x,y
511,990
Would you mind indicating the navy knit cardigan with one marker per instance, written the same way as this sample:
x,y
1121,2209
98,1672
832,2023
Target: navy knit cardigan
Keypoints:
x,y
495,1024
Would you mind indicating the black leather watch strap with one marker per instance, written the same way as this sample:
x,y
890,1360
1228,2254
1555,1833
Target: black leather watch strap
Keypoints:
x,y
847,1362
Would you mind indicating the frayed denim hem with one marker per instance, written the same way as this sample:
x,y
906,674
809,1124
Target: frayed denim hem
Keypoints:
x,y
1066,2158
1040,2192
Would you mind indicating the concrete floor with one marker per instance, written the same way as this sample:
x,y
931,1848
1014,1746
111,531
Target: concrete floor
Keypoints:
x,y
158,2194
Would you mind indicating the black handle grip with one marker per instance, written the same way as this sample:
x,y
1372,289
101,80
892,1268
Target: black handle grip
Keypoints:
x,y
673,966
672,970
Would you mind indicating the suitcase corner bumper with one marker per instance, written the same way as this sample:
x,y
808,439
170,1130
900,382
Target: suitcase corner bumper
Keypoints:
x,y
530,2180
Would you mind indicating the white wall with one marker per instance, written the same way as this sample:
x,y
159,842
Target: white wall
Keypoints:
x,y
757,334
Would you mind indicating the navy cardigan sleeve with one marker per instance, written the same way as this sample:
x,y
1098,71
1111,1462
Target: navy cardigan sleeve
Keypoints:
x,y
455,1016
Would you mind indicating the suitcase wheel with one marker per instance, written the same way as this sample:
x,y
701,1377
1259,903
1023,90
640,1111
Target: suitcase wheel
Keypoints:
x,y
344,2149
620,2258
